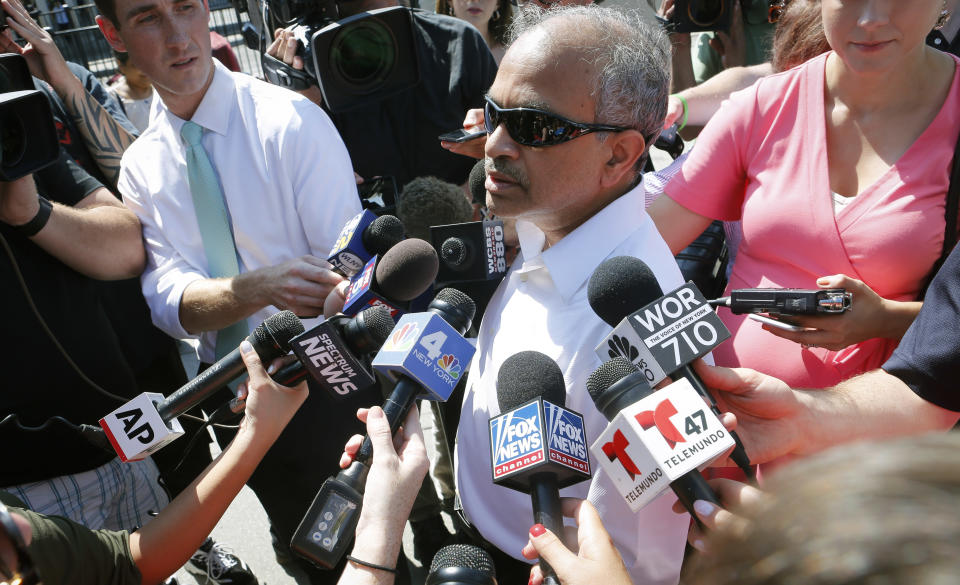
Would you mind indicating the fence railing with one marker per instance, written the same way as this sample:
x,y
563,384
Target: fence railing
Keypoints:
x,y
80,39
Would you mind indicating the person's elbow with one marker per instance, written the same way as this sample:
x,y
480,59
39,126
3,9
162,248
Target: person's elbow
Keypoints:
x,y
126,257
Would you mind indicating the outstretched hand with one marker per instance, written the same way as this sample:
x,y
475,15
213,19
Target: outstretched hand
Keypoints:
x,y
596,559
473,122
732,494
769,414
869,316
43,57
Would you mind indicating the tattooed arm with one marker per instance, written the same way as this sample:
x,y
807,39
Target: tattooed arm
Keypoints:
x,y
103,136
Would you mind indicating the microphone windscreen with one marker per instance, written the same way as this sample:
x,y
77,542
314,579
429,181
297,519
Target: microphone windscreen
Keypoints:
x,y
429,201
454,252
379,323
528,375
620,286
478,177
608,374
465,556
382,234
407,270
271,339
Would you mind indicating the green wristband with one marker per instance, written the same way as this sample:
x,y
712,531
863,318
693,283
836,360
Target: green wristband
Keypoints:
x,y
686,111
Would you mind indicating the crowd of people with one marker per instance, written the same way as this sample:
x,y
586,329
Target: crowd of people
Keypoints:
x,y
827,135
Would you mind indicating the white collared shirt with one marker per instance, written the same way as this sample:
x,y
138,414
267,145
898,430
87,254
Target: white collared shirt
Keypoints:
x,y
286,178
542,305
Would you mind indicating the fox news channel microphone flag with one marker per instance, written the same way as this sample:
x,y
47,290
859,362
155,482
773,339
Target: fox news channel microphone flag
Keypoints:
x,y
523,439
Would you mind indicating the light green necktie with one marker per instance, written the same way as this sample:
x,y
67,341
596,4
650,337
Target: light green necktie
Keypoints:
x,y
214,225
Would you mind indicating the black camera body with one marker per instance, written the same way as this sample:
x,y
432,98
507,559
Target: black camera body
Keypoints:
x,y
701,15
355,61
28,137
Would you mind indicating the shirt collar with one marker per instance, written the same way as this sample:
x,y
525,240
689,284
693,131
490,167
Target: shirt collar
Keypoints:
x,y
573,259
214,110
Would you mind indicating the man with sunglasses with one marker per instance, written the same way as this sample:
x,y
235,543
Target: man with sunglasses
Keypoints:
x,y
577,101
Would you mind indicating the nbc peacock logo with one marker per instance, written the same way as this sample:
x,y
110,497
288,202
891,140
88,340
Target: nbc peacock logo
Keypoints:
x,y
402,339
450,364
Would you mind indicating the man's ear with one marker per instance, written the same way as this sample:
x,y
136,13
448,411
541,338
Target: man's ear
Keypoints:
x,y
625,148
111,33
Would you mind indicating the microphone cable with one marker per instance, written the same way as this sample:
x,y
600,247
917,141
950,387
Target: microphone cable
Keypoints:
x,y
63,352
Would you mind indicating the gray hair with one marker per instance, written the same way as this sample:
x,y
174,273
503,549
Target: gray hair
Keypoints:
x,y
631,58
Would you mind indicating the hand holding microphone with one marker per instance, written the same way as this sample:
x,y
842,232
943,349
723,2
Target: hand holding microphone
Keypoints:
x,y
733,495
596,560
538,447
661,334
396,472
654,439
428,353
148,422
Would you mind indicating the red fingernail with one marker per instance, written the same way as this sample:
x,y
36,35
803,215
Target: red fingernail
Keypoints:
x,y
537,530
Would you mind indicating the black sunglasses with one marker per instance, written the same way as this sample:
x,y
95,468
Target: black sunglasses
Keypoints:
x,y
26,573
533,127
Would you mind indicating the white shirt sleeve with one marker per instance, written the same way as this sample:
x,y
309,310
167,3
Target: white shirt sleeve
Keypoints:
x,y
322,178
167,273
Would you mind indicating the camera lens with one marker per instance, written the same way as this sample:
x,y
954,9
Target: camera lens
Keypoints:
x,y
13,142
364,54
705,12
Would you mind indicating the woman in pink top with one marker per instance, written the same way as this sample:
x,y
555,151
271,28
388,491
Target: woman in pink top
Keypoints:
x,y
838,169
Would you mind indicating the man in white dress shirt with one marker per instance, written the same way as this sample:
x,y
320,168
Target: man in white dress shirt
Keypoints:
x,y
286,186
576,202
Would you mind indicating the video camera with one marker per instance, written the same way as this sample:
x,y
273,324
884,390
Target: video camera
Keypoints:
x,y
355,61
28,137
700,15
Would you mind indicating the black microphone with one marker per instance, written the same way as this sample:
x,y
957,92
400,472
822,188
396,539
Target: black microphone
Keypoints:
x,y
617,384
470,252
429,201
271,339
328,525
364,236
531,394
477,182
333,352
622,285
462,564
402,274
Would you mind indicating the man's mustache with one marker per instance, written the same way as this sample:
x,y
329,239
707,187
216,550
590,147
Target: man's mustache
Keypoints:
x,y
503,167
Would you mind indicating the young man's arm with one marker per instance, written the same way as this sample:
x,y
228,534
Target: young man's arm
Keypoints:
x,y
163,545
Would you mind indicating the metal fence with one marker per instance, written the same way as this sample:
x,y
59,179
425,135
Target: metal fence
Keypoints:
x,y
80,40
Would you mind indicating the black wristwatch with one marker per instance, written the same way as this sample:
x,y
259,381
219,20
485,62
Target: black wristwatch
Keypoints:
x,y
39,220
